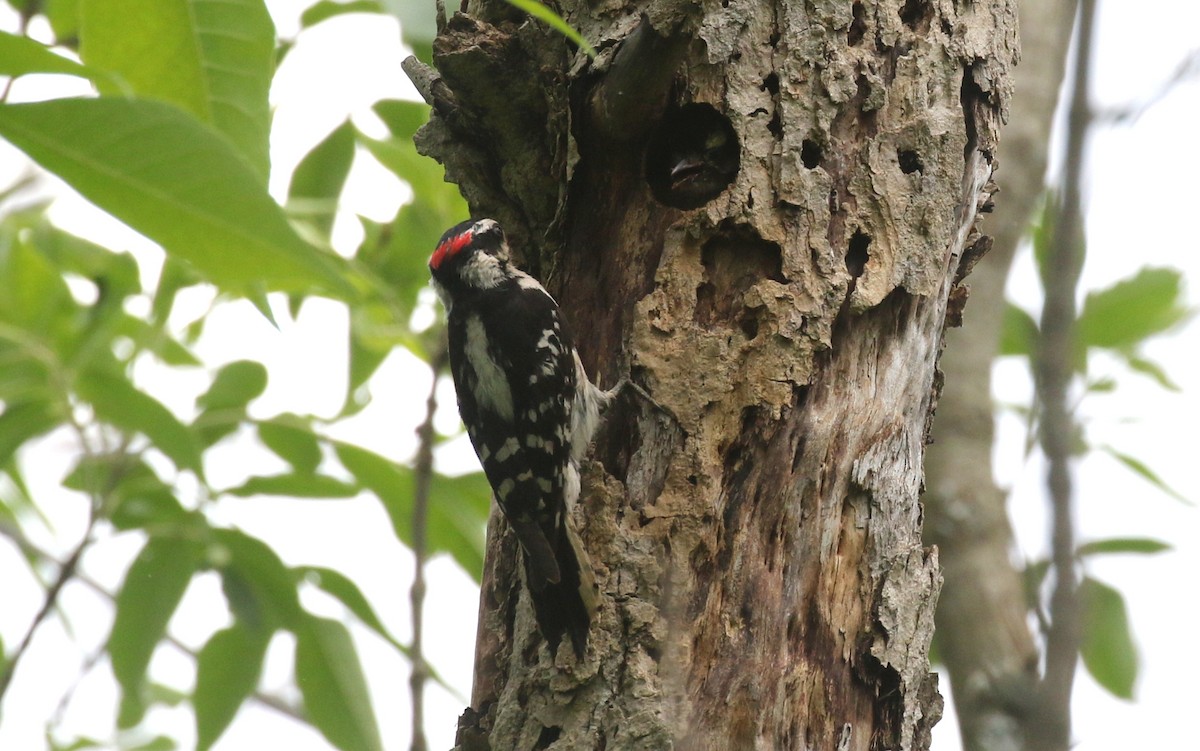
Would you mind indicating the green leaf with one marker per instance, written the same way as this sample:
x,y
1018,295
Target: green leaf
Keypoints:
x,y
1143,470
260,589
1102,386
320,176
227,671
21,55
1153,370
295,485
402,117
458,506
390,482
155,340
79,744
235,386
33,294
158,743
293,440
115,274
175,276
138,498
1107,646
331,680
1019,332
212,58
1133,310
554,21
1139,545
418,26
153,587
63,16
120,403
22,421
176,181
327,9
347,592
458,515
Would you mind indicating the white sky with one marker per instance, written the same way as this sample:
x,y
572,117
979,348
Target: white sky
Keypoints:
x,y
1141,198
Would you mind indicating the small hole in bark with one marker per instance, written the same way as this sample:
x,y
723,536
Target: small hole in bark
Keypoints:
x,y
810,153
693,480
748,323
775,125
916,15
692,157
546,737
857,256
910,161
858,26
770,84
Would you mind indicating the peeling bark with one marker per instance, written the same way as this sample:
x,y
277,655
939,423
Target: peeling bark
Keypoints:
x,y
758,549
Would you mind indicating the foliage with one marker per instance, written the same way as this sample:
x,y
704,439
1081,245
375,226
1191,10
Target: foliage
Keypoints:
x,y
175,146
1113,325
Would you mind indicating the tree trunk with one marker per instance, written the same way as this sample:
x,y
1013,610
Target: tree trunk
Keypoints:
x,y
983,635
756,542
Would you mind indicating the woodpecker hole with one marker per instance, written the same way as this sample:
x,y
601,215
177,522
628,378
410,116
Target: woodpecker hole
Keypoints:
x,y
910,161
858,25
857,255
692,156
810,153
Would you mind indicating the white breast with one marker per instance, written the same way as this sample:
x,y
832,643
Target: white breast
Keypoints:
x,y
492,391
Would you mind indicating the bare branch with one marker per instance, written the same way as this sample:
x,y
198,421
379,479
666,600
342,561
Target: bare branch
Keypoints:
x,y
1050,726
423,475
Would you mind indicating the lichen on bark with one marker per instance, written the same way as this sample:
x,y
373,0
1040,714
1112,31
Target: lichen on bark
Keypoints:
x,y
757,544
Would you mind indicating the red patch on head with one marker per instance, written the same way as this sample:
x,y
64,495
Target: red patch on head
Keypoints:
x,y
449,248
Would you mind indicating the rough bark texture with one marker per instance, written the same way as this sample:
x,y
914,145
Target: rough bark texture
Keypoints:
x,y
758,548
983,633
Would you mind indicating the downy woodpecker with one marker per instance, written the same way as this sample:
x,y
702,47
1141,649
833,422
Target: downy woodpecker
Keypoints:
x,y
530,412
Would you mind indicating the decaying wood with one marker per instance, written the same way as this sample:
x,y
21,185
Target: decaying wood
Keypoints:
x,y
757,545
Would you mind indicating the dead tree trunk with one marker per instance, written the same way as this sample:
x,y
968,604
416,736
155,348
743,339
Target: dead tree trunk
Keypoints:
x,y
758,549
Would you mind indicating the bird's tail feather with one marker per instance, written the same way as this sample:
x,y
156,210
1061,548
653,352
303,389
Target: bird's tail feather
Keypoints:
x,y
565,607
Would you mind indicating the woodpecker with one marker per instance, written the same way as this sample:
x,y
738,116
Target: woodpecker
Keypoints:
x,y
530,412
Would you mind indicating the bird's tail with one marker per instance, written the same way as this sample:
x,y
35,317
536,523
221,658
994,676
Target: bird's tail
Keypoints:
x,y
565,606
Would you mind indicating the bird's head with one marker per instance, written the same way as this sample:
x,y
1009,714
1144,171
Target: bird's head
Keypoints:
x,y
473,254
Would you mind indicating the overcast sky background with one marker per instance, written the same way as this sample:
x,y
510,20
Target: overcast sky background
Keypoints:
x,y
1141,195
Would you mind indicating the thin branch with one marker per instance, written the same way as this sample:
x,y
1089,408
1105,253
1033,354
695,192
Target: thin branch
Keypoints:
x,y
66,571
423,472
1050,729
30,550
1187,70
